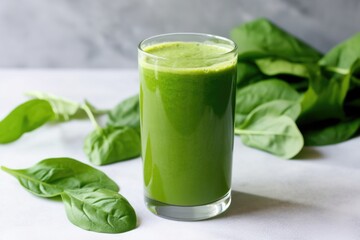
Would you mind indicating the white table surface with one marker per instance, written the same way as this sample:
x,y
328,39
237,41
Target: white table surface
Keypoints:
x,y
316,196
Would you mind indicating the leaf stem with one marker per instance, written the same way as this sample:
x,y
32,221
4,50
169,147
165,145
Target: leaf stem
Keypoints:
x,y
91,116
96,112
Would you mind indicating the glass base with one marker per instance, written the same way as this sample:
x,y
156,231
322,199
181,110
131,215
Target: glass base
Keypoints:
x,y
189,213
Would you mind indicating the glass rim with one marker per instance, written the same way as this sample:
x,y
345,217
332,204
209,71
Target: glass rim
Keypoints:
x,y
233,45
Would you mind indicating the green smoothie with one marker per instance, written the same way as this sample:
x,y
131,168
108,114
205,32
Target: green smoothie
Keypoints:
x,y
187,100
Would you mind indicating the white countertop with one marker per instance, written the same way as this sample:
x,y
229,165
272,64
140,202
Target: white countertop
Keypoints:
x,y
316,196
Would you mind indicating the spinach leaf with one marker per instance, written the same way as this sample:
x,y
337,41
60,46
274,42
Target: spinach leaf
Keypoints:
x,y
112,144
90,197
126,113
254,95
36,112
343,55
331,134
99,210
278,107
261,38
25,118
270,127
325,96
52,176
65,109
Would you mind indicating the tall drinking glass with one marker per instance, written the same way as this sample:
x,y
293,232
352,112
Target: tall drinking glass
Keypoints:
x,y
187,100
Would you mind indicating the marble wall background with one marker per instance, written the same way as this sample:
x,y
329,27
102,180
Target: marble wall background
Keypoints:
x,y
105,33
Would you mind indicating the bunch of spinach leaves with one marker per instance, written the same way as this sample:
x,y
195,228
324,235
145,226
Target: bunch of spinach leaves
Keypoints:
x,y
289,94
117,141
91,198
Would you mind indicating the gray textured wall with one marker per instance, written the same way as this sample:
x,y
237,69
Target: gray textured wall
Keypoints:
x,y
105,33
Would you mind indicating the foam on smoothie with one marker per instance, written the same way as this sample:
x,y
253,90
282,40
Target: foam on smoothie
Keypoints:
x,y
184,55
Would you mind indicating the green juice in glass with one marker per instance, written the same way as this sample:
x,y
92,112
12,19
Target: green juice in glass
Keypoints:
x,y
187,99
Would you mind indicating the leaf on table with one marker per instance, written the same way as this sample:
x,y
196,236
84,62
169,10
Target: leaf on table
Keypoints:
x,y
65,109
254,95
50,177
270,127
112,144
24,118
99,210
126,113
